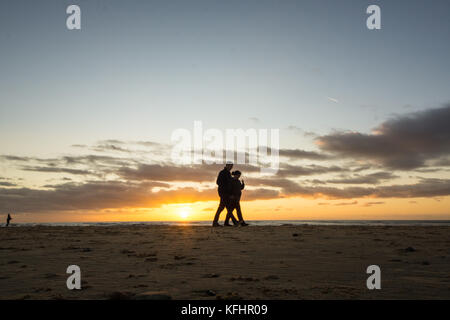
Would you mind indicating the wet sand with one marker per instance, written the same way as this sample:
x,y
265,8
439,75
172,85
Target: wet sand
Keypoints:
x,y
280,262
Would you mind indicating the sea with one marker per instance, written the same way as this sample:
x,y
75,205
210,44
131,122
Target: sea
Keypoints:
x,y
253,223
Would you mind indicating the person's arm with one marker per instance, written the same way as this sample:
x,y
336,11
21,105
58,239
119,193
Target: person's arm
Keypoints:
x,y
228,181
228,178
219,180
242,185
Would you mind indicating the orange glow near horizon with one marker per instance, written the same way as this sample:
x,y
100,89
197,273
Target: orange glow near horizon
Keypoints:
x,y
278,209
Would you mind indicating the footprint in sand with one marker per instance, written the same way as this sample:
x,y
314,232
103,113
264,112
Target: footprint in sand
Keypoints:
x,y
145,255
241,278
211,275
271,277
152,259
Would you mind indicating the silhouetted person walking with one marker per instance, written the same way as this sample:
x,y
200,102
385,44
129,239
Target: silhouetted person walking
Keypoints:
x,y
224,189
8,219
236,191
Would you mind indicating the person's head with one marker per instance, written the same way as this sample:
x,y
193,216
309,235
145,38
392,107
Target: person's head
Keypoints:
x,y
236,174
229,166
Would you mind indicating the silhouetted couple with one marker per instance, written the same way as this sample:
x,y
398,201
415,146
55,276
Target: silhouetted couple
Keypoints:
x,y
230,190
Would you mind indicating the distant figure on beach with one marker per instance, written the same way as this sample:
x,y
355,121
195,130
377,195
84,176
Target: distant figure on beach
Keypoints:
x,y
8,219
234,203
224,182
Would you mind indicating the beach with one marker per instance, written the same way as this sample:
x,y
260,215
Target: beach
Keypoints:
x,y
200,262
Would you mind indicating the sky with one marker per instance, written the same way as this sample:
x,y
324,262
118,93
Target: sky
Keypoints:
x,y
86,116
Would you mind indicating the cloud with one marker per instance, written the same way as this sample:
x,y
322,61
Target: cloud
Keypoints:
x,y
404,142
139,183
14,158
90,196
299,130
302,154
98,195
150,144
372,203
333,100
7,184
287,170
56,170
295,129
346,203
291,188
259,194
423,188
113,145
373,178
284,184
159,172
95,160
172,173
110,147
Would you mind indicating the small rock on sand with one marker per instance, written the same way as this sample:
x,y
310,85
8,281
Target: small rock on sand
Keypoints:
x,y
205,293
151,259
271,277
117,295
230,296
153,295
211,275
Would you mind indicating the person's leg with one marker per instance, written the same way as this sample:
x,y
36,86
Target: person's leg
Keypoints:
x,y
239,212
222,206
242,223
227,218
219,210
230,215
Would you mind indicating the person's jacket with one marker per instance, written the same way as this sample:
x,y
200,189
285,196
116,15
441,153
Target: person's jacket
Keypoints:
x,y
236,187
224,182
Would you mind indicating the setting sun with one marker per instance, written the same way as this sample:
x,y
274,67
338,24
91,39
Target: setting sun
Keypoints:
x,y
184,212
